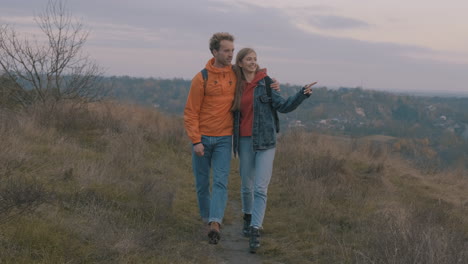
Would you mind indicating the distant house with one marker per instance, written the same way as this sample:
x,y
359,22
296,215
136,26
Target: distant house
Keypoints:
x,y
360,111
431,108
295,123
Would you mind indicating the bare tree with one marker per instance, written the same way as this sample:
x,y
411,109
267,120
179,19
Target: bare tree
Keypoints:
x,y
52,67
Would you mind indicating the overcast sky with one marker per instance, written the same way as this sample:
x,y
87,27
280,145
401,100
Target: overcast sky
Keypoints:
x,y
394,45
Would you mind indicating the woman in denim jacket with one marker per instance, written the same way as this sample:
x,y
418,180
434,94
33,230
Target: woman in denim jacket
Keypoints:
x,y
255,127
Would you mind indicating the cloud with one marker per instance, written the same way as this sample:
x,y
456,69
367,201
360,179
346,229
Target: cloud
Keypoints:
x,y
18,20
336,22
170,38
290,54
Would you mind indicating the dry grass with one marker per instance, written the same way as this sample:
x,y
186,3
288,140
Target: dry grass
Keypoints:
x,y
338,200
106,183
112,183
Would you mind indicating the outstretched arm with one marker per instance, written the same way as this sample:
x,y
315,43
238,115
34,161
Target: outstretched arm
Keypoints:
x,y
287,105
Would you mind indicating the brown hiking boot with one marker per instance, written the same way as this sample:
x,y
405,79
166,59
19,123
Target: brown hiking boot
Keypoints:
x,y
214,234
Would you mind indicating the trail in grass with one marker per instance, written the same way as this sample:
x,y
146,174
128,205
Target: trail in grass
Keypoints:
x,y
234,247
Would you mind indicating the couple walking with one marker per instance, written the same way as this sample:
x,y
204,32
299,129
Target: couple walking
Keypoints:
x,y
232,108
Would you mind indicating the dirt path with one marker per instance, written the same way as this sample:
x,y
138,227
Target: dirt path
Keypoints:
x,y
234,247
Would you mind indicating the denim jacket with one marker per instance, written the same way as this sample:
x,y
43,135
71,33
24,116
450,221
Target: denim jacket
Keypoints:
x,y
264,129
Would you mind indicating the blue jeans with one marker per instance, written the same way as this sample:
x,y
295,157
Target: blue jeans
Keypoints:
x,y
218,157
255,170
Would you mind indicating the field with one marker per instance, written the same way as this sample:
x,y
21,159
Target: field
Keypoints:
x,y
112,183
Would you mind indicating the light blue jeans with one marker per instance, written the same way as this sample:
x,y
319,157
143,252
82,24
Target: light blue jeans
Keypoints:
x,y
218,157
255,170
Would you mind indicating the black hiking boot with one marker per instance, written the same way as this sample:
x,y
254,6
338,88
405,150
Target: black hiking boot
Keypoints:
x,y
246,229
254,242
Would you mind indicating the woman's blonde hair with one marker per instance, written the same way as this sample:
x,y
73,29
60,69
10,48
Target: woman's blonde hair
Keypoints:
x,y
240,77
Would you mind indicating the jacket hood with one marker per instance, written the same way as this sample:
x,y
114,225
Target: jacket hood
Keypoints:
x,y
209,66
262,73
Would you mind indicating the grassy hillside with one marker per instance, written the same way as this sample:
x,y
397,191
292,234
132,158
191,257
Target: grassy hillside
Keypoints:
x,y
438,125
107,184
112,183
335,200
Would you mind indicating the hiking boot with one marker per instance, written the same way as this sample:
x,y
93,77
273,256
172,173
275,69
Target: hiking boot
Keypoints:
x,y
246,229
254,242
214,234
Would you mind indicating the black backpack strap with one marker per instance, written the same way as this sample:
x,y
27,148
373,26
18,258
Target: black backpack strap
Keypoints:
x,y
268,82
204,74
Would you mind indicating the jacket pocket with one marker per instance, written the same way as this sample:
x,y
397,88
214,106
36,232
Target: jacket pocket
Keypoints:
x,y
265,99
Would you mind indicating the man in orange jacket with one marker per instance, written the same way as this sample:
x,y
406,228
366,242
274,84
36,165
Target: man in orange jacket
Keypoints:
x,y
209,125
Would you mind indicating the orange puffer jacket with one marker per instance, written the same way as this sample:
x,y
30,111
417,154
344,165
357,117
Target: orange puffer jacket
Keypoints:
x,y
208,111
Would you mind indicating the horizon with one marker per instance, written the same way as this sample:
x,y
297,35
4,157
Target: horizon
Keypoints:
x,y
376,46
431,93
